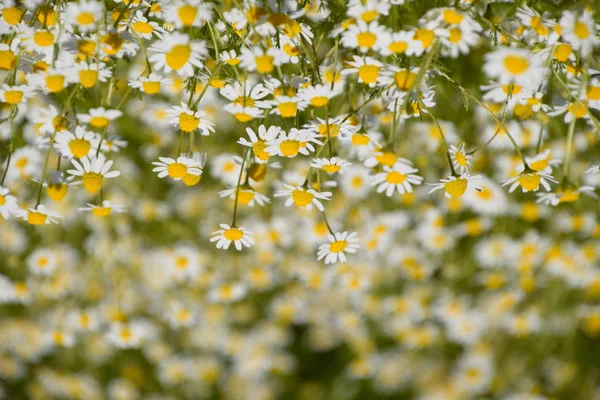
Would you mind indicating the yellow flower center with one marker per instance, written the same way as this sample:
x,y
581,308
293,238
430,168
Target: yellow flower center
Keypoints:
x,y
569,196
79,147
85,18
461,159
101,211
43,38
177,170
242,117
244,101
99,122
245,196
191,179
529,181
395,178
92,181
46,16
366,39
302,198
368,73
57,192
580,111
334,130
36,218
455,35
12,15
13,96
426,37
233,234
178,56
456,187
86,47
593,93
369,16
562,52
187,14
258,148
452,17
516,64
2,200
338,246
388,158
319,101
55,83
143,27
288,109
485,194
290,50
289,148
88,78
360,139
264,64
404,79
187,122
398,47
151,87
331,168
7,60
581,30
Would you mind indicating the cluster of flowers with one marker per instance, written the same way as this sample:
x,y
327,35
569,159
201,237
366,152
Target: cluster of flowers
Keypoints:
x,y
329,128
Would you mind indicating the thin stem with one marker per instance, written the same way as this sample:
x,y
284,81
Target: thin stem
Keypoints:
x,y
237,189
327,223
11,144
442,134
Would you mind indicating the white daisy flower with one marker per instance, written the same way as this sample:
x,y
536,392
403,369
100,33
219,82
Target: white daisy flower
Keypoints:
x,y
339,244
456,186
39,215
93,170
529,181
515,65
99,117
579,30
258,143
399,178
246,196
330,165
460,159
240,236
105,209
291,143
189,120
150,84
303,197
176,52
78,145
177,169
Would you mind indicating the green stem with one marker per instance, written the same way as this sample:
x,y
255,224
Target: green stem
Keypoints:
x,y
442,134
237,189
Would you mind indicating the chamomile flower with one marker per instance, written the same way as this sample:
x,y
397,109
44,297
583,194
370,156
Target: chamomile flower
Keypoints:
x,y
364,36
296,141
142,27
303,197
189,120
513,65
100,117
42,262
8,203
184,14
368,69
399,178
529,180
176,52
16,94
83,14
339,244
105,209
579,30
240,237
456,186
460,159
78,145
287,106
38,215
594,169
150,84
330,165
230,57
258,143
92,73
93,170
245,196
257,59
566,194
183,168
